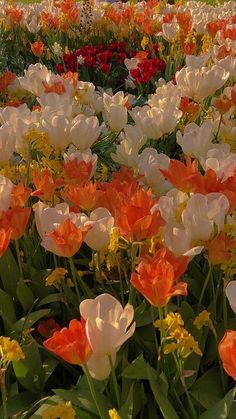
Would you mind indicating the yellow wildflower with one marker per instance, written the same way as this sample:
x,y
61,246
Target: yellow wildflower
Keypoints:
x,y
202,319
113,414
10,350
62,411
206,43
171,322
144,42
56,277
114,241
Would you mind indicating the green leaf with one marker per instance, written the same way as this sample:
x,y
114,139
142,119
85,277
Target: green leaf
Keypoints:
x,y
28,321
221,409
207,389
19,403
9,272
24,295
157,387
7,307
136,370
51,298
126,410
29,371
49,366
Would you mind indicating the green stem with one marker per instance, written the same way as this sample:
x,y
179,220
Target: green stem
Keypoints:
x,y
4,392
224,310
191,406
93,392
162,330
204,287
154,330
121,282
99,267
114,379
19,258
74,276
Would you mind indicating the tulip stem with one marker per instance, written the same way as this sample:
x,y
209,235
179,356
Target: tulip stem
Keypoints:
x,y
4,393
74,276
19,258
204,287
114,379
162,332
93,392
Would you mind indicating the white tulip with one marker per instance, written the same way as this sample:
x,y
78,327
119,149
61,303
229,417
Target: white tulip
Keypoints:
x,y
101,222
5,193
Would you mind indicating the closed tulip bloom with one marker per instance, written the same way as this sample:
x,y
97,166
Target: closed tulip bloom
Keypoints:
x,y
6,187
70,343
196,141
5,237
227,352
16,219
7,142
230,292
101,223
57,128
108,324
84,131
37,48
156,282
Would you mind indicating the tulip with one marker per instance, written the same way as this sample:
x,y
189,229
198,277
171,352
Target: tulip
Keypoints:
x,y
37,48
84,131
5,237
101,223
57,128
16,219
196,140
65,240
7,142
70,344
156,282
6,187
182,177
149,164
79,167
227,352
46,328
230,292
108,326
202,212
45,184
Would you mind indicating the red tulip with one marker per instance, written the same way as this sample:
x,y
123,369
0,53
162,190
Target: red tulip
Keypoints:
x,y
70,343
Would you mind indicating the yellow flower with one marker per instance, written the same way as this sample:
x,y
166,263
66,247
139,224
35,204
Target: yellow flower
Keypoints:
x,y
114,241
171,322
56,277
113,414
202,319
62,411
10,350
144,42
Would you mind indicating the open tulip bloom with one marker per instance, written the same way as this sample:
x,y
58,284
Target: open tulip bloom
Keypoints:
x,y
117,209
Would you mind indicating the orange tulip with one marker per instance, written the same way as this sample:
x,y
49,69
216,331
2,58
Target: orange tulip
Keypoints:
x,y
179,264
219,248
20,195
57,87
182,177
77,172
16,219
68,238
70,343
135,219
223,104
227,352
156,282
5,237
45,184
37,48
84,196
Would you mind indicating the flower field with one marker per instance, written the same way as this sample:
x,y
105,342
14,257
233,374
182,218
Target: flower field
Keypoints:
x,y
117,210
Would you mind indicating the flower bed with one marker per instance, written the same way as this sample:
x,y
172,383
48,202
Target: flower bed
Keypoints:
x,y
117,210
